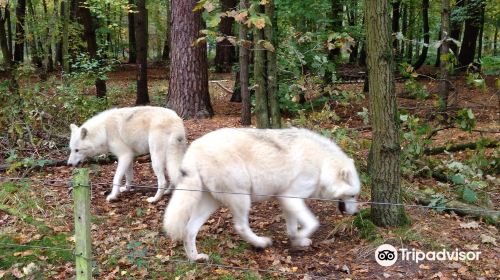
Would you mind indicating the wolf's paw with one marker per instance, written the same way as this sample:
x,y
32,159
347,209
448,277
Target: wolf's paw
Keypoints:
x,y
125,189
201,257
262,242
111,197
301,242
152,199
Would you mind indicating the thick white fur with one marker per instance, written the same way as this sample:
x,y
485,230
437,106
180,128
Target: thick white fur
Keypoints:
x,y
127,132
287,162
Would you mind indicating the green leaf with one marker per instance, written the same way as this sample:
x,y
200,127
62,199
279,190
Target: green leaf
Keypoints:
x,y
458,179
469,195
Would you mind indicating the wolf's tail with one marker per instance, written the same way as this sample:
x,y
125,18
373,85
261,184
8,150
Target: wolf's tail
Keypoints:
x,y
185,198
176,148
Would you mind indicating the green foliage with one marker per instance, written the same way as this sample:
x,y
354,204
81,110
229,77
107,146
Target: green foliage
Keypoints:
x,y
137,253
465,119
415,90
366,228
490,65
413,140
438,202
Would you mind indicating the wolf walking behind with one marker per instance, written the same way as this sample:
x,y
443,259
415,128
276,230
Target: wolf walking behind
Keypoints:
x,y
286,163
127,132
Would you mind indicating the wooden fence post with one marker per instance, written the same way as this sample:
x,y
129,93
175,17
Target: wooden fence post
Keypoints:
x,y
81,197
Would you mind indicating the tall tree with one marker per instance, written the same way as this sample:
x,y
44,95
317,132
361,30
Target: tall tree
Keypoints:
x,y
141,34
456,23
396,15
471,32
188,89
244,54
20,18
481,34
444,56
425,47
259,72
385,149
271,66
48,41
225,53
351,20
85,17
65,11
165,56
132,48
4,45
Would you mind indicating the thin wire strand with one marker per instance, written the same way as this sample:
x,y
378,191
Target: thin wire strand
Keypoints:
x,y
11,245
153,186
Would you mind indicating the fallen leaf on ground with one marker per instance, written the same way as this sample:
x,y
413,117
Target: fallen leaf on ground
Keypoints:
x,y
488,239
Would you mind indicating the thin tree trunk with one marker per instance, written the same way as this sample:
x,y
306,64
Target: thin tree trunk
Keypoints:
x,y
141,35
65,8
48,40
272,85
471,32
495,38
396,15
35,45
225,53
132,48
385,149
481,33
244,61
351,18
404,29
20,18
188,89
90,38
425,47
9,29
409,46
456,26
444,56
438,51
165,57
259,72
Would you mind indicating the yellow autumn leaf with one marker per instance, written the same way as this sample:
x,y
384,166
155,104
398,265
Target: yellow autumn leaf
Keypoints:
x,y
240,16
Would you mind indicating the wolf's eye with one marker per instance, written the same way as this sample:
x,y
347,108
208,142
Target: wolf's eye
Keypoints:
x,y
76,150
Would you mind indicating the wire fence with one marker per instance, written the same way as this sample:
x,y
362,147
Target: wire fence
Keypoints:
x,y
67,184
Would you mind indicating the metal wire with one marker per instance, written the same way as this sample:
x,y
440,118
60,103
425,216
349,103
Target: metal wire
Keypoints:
x,y
153,186
11,245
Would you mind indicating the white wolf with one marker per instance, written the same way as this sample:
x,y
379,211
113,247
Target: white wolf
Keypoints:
x,y
285,163
128,132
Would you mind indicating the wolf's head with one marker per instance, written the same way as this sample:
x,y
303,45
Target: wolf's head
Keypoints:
x,y
80,144
346,187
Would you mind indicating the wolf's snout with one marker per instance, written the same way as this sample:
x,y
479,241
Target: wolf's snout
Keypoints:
x,y
349,208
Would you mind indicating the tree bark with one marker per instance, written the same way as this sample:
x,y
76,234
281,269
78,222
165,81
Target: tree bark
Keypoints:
x,y
48,43
244,61
132,48
456,26
351,19
259,72
6,52
396,15
385,149
141,34
89,35
409,46
471,32
65,9
425,47
444,56
225,53
188,90
495,38
481,33
404,29
165,57
20,36
272,85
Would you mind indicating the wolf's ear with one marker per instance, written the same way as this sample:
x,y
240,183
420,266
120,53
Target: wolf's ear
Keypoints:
x,y
73,127
345,174
84,132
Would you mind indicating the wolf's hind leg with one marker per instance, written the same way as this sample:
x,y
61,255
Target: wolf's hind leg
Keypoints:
x,y
297,210
129,178
199,216
157,150
240,206
123,162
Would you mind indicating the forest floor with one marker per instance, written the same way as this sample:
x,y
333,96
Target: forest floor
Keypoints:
x,y
128,242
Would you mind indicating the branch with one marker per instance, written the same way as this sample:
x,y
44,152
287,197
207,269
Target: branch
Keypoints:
x,y
484,142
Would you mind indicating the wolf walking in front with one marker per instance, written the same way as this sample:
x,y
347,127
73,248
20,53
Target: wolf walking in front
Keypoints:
x,y
128,132
286,163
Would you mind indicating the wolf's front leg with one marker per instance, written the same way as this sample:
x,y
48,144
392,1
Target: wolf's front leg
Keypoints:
x,y
123,163
296,211
240,206
129,178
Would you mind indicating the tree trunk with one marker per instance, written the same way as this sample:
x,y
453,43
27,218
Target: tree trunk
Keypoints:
x,y
225,53
444,56
165,57
90,38
141,34
409,46
236,95
471,32
456,26
188,90
404,29
20,18
65,10
246,118
337,13
481,33
259,72
48,41
6,52
385,149
396,15
9,28
351,19
438,51
132,48
272,85
495,38
35,44
425,47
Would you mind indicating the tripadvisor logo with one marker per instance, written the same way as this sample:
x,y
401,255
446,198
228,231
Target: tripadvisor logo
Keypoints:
x,y
387,255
